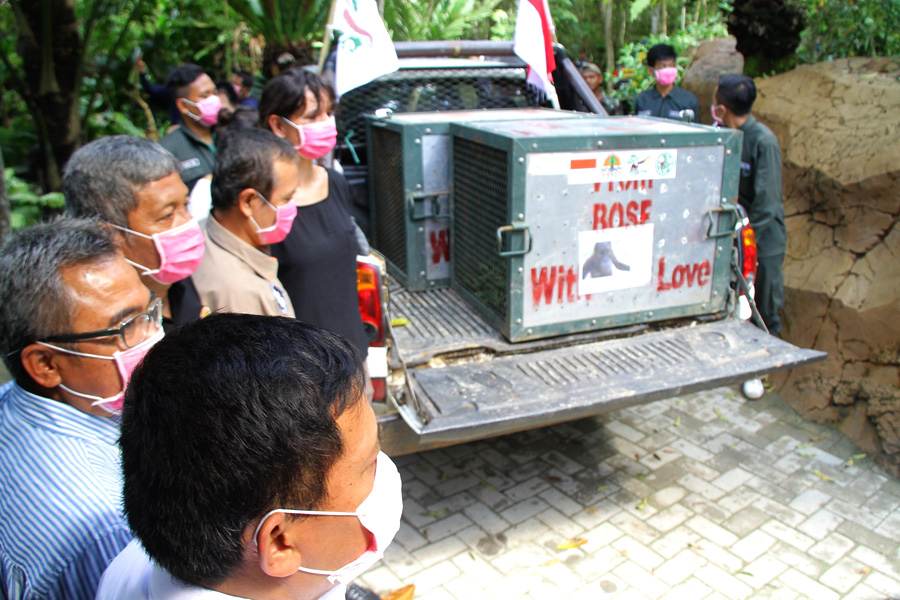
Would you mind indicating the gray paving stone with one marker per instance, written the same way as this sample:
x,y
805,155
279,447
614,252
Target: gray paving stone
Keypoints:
x,y
861,535
754,545
845,574
807,586
486,520
820,524
762,570
745,521
831,548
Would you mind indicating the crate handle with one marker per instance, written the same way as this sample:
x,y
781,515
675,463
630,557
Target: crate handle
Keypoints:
x,y
419,199
725,208
510,229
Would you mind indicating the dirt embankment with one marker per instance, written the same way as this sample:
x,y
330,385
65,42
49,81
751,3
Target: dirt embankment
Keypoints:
x,y
839,128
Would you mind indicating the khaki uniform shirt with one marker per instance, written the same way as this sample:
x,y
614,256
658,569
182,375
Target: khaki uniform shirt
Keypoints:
x,y
237,277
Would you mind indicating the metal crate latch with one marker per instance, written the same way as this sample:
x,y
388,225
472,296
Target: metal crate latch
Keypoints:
x,y
415,204
519,237
713,223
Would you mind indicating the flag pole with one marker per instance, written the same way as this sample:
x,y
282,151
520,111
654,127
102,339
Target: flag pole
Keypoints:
x,y
329,33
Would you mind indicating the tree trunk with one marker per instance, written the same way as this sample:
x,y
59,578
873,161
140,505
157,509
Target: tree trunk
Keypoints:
x,y
4,203
654,20
623,25
701,18
683,15
50,46
663,17
608,35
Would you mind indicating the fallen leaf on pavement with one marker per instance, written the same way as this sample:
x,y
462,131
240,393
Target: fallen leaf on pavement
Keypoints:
x,y
643,504
677,421
404,593
551,562
822,475
720,415
818,438
399,322
572,543
435,513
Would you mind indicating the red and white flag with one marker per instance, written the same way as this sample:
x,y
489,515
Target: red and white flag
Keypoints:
x,y
533,43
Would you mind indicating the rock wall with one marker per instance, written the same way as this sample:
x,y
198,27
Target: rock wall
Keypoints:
x,y
711,60
839,128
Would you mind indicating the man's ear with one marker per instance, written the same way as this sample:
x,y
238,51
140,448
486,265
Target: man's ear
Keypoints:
x,y
40,364
181,106
279,552
245,201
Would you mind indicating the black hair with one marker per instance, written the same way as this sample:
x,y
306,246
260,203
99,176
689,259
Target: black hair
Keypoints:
x,y
101,177
245,158
36,303
224,420
246,78
180,78
660,52
286,94
225,87
737,92
242,117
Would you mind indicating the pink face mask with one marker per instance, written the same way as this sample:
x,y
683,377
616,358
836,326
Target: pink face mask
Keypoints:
x,y
316,139
667,76
126,361
284,219
180,251
209,110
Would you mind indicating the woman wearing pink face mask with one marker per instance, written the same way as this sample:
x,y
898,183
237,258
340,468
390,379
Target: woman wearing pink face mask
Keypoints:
x,y
317,260
665,99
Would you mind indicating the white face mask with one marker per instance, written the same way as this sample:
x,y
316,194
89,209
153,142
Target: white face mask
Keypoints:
x,y
379,513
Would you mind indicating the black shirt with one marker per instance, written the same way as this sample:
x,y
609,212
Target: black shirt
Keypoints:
x,y
185,304
317,265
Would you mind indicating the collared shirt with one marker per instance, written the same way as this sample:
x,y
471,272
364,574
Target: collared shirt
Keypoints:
x,y
60,508
134,576
650,103
237,277
759,191
196,158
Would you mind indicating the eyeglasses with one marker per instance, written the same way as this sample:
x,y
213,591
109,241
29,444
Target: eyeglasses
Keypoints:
x,y
132,331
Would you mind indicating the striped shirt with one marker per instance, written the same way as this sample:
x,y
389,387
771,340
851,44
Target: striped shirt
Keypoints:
x,y
60,497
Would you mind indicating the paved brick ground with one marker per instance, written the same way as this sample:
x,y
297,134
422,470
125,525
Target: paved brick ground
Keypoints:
x,y
703,497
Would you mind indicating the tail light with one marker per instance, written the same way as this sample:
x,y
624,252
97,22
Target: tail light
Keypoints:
x,y
371,309
748,246
368,285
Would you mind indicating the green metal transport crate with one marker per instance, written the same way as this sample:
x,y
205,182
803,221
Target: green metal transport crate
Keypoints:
x,y
410,189
568,226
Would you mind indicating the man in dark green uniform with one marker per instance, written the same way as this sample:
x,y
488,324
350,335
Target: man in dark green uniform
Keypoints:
x,y
195,97
759,191
665,99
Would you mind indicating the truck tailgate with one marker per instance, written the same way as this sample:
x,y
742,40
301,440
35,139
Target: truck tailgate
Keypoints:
x,y
512,387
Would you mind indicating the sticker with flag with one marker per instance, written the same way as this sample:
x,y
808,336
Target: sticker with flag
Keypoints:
x,y
533,43
365,50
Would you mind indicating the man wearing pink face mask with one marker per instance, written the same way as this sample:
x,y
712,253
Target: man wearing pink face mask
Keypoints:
x,y
196,98
131,185
253,186
75,322
665,99
252,467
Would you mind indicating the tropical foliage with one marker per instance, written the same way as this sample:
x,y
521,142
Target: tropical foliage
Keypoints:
x,y
67,67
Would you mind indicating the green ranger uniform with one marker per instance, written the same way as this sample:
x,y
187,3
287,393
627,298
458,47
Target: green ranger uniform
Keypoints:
x,y
650,103
195,157
760,194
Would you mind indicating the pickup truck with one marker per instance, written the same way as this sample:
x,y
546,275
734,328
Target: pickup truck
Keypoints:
x,y
540,264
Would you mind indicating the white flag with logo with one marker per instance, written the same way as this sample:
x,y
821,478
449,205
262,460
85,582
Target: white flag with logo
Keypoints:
x,y
365,50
